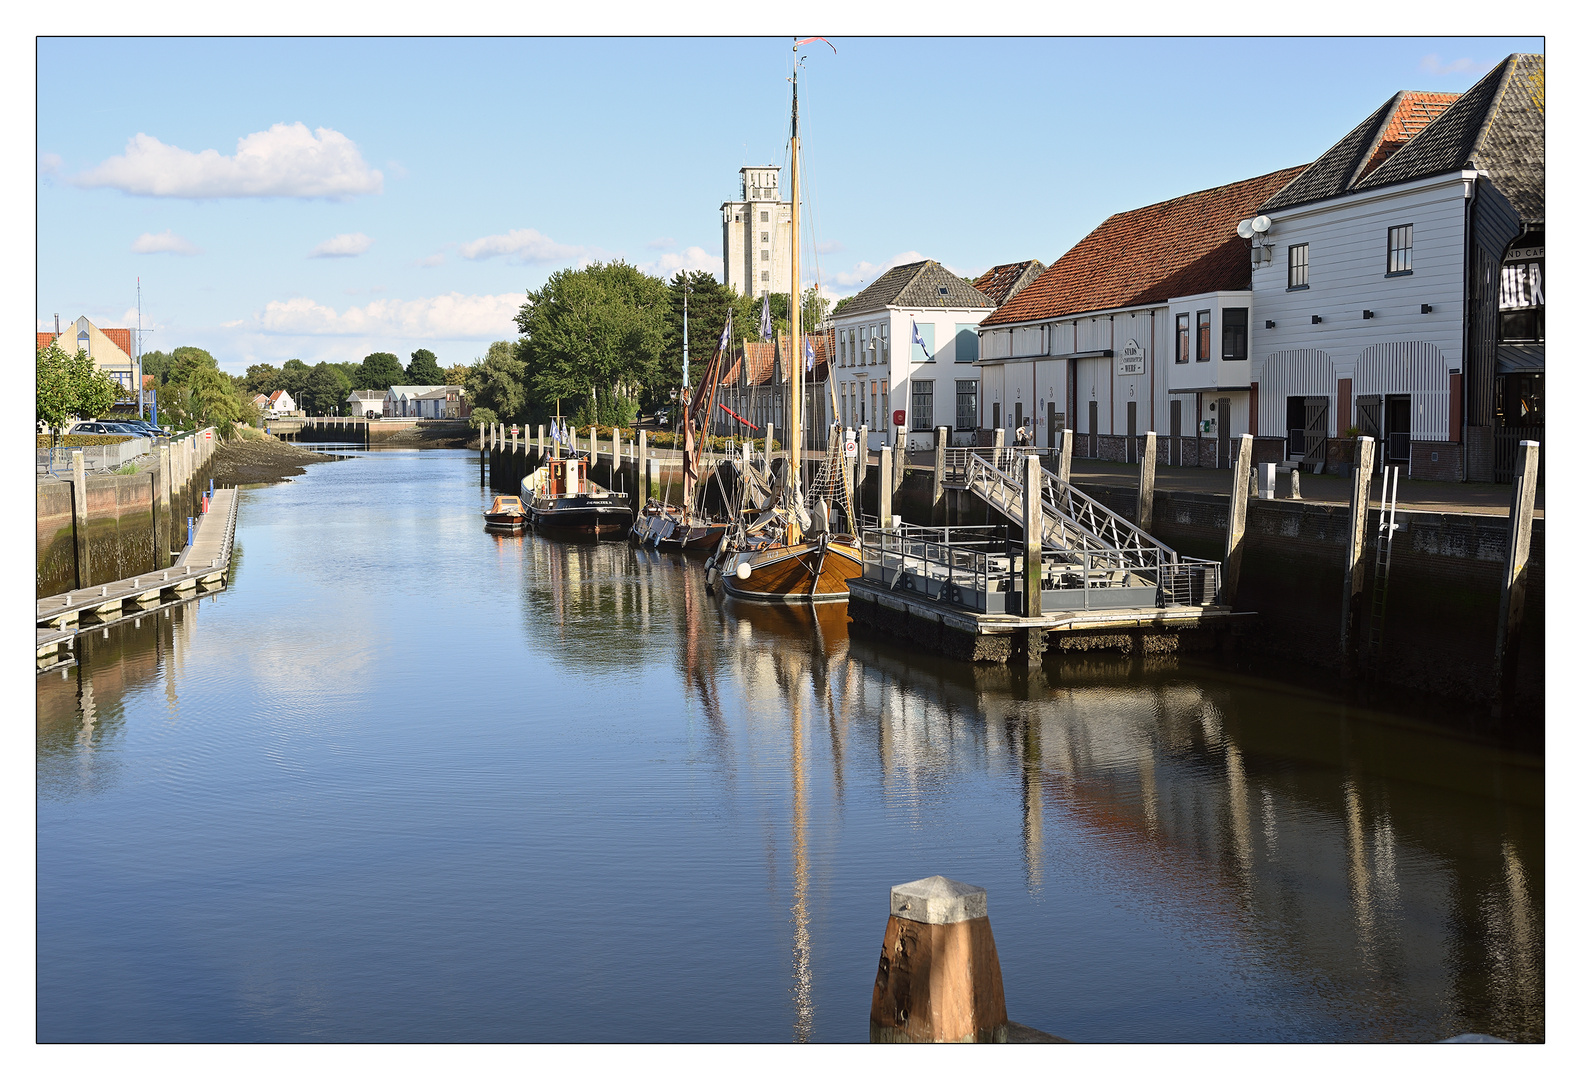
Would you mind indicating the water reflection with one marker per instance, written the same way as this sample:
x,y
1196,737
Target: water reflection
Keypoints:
x,y
1165,842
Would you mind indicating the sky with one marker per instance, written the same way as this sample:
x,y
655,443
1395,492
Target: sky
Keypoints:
x,y
327,198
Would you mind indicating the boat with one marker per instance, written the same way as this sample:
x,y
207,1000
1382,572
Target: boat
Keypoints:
x,y
787,553
506,515
560,496
689,527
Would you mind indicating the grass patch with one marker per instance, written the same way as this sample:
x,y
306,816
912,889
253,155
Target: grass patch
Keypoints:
x,y
129,469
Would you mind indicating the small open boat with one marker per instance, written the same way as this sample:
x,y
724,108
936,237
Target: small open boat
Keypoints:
x,y
560,495
506,515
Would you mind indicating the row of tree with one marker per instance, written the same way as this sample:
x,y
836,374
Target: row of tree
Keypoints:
x,y
600,342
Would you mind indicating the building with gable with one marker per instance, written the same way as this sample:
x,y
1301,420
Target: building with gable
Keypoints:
x,y
365,404
932,382
1402,291
1142,326
752,391
402,400
111,349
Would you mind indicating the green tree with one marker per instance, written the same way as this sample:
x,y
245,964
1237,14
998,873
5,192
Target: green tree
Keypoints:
x,y
157,364
424,369
199,394
262,379
70,385
592,332
497,384
293,378
326,391
456,374
707,304
380,371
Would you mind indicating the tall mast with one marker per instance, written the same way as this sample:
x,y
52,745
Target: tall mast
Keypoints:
x,y
794,427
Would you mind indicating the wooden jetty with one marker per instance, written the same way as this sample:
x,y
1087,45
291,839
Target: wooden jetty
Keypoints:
x,y
202,568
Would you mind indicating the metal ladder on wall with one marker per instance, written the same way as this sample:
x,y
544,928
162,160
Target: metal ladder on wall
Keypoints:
x,y
1383,551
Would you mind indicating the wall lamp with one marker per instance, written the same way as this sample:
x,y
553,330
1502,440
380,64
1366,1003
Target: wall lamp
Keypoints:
x,y
1268,324
1366,313
1427,309
1316,319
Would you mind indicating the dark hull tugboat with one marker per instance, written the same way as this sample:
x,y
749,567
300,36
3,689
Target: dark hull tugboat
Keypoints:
x,y
561,497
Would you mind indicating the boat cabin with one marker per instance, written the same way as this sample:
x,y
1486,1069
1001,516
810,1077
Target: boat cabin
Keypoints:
x,y
565,477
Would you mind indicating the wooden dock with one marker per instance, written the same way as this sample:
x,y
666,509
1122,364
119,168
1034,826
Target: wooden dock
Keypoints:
x,y
202,568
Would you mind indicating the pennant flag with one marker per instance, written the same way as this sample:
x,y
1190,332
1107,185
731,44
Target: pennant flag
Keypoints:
x,y
826,41
807,347
765,324
916,339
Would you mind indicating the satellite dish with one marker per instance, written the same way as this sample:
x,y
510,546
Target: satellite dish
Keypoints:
x,y
1244,229
1262,223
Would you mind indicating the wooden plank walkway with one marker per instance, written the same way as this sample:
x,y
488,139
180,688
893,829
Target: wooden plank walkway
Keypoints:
x,y
202,566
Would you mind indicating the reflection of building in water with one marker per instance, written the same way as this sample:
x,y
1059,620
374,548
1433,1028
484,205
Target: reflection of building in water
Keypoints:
x,y
1285,830
81,706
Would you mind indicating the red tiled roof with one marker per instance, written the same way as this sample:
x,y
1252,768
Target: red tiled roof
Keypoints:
x,y
1181,247
759,359
274,397
1413,112
998,281
120,335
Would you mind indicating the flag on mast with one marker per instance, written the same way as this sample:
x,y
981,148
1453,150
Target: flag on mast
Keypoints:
x,y
916,339
765,323
807,347
724,335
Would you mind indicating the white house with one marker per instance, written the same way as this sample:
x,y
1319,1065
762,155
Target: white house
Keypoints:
x,y
885,375
1401,290
280,404
442,402
1142,326
365,403
402,400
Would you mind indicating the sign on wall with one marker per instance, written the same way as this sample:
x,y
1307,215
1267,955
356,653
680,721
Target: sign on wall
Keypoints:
x,y
1132,359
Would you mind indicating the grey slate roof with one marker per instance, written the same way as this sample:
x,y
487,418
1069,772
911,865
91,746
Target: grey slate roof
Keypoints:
x,y
1497,126
1334,172
918,285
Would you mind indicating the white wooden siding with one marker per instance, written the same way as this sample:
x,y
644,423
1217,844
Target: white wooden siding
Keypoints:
x,y
1294,373
1348,251
1064,338
1417,368
995,344
1027,341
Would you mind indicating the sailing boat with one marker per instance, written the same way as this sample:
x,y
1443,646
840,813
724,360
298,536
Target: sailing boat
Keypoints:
x,y
688,527
788,553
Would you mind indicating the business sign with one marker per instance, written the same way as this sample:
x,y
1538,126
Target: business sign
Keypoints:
x,y
1132,359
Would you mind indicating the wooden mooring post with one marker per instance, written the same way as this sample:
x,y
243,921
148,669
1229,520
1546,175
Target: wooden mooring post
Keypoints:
x,y
1512,595
1235,530
938,972
1355,552
79,517
899,476
1067,450
644,488
940,434
886,496
1144,487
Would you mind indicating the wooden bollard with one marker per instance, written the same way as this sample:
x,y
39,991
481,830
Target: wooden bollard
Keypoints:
x,y
938,974
1512,596
1355,554
79,517
940,436
642,467
1144,489
1235,530
1067,450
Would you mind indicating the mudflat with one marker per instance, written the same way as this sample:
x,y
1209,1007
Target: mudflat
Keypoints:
x,y
261,459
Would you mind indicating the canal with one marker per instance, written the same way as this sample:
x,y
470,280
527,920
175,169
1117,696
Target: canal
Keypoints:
x,y
404,780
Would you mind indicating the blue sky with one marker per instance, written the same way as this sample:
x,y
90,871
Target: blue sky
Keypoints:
x,y
324,199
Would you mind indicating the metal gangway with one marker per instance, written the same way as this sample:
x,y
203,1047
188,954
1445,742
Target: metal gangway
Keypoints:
x,y
1080,528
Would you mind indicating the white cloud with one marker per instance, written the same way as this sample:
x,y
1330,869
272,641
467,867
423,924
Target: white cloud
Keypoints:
x,y
452,315
1434,65
865,273
343,246
693,258
521,245
829,247
48,163
287,160
432,260
663,243
167,241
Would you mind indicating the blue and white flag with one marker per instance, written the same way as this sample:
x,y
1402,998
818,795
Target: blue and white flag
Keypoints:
x,y
807,347
765,323
916,339
724,335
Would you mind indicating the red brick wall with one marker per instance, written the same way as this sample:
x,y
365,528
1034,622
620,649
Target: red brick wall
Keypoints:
x,y
1449,463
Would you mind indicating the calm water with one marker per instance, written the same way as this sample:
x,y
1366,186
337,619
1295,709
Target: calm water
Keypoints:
x,y
405,780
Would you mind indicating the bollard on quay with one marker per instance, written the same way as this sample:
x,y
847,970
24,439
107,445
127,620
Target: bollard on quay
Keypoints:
x,y
938,974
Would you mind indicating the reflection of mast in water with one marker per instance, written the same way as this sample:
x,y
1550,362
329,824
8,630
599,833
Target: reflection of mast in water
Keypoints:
x,y
801,941
701,672
1032,802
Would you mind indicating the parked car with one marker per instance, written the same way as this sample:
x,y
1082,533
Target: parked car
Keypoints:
x,y
105,427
